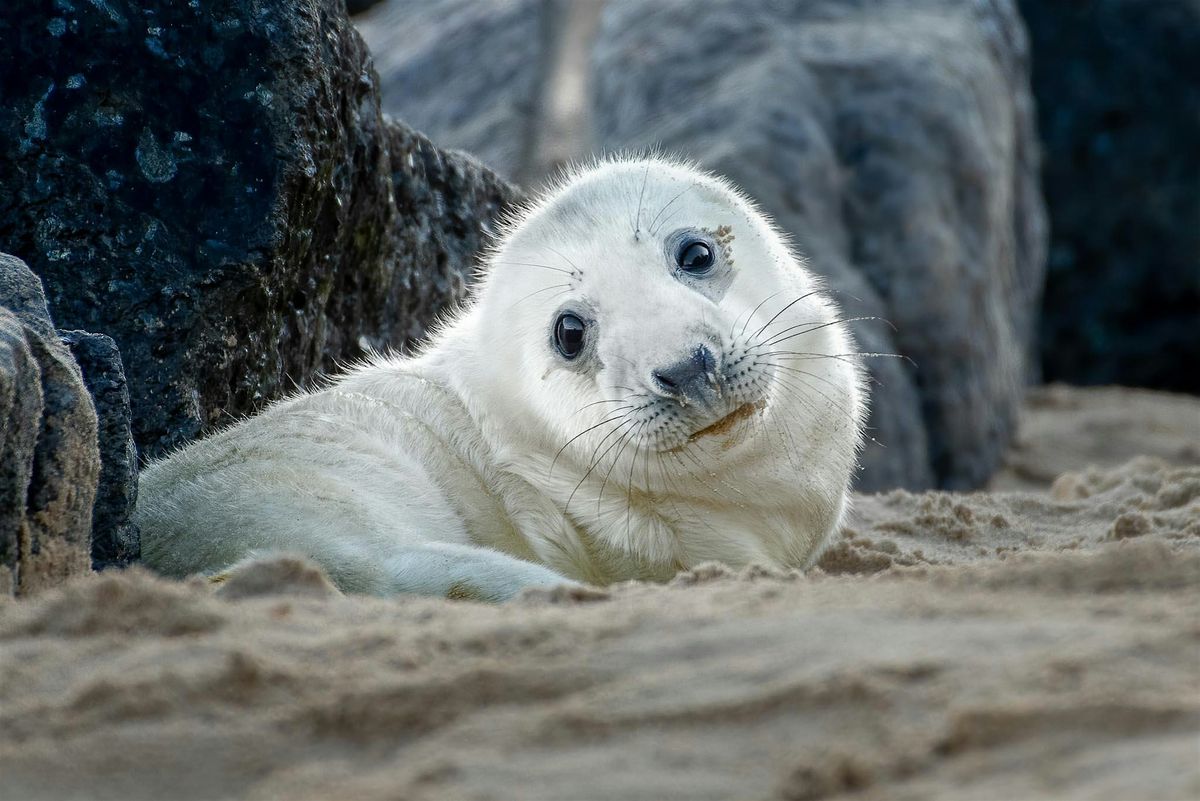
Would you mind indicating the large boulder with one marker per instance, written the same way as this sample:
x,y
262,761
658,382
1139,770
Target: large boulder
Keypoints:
x,y
1117,84
894,140
213,186
49,461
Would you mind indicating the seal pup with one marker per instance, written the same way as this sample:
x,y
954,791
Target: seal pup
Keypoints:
x,y
646,377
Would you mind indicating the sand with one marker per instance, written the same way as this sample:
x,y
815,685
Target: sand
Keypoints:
x,y
1065,428
1003,645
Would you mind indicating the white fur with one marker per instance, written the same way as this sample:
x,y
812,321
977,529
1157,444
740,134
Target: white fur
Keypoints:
x,y
447,470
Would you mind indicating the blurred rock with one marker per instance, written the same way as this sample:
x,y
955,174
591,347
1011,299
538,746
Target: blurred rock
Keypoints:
x,y
896,141
49,462
115,537
1118,95
213,186
467,73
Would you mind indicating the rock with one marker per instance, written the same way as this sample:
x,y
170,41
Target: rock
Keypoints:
x,y
222,196
115,538
1119,113
354,7
896,141
421,49
49,462
445,202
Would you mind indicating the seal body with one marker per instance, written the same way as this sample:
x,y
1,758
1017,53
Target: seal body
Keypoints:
x,y
645,378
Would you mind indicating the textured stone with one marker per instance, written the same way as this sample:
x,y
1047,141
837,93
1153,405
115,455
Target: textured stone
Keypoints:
x,y
115,538
49,462
1118,96
895,140
213,186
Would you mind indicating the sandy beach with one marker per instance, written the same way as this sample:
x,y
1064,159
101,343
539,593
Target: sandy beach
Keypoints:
x,y
1040,644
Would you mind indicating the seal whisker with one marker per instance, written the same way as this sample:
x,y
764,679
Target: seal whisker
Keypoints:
x,y
596,461
672,488
781,366
778,337
712,472
792,454
630,362
671,202
844,356
597,403
799,371
753,312
781,311
629,483
630,436
555,251
800,391
562,270
637,228
612,419
797,392
513,305
675,454
688,452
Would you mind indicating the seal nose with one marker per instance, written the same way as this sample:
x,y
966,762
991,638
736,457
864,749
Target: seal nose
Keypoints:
x,y
692,380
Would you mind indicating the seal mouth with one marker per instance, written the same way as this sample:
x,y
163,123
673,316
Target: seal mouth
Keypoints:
x,y
727,422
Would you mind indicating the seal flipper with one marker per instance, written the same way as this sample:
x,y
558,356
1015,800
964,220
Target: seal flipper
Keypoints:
x,y
457,572
465,572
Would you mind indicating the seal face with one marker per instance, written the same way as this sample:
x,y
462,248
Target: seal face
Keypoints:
x,y
646,378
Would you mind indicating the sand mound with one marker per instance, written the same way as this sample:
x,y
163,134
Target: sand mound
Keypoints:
x,y
983,646
1064,427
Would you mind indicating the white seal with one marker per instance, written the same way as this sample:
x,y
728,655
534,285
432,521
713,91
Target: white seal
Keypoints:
x,y
646,378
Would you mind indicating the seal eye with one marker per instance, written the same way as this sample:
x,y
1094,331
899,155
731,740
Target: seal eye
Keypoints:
x,y
568,335
695,257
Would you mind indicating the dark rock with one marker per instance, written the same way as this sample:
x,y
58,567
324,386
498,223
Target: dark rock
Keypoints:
x,y
359,6
115,537
445,203
49,462
896,141
1118,96
213,186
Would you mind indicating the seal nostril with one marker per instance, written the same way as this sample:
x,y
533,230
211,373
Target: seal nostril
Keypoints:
x,y
664,382
693,378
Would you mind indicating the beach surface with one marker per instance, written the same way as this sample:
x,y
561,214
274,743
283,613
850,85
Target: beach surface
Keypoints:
x,y
1034,644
